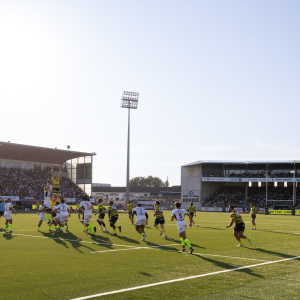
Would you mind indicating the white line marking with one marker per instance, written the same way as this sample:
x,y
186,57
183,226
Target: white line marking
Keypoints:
x,y
232,257
182,279
212,255
121,249
150,247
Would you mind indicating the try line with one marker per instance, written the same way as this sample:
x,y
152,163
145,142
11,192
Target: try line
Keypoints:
x,y
182,279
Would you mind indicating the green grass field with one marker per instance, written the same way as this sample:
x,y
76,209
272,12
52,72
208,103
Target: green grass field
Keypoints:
x,y
43,265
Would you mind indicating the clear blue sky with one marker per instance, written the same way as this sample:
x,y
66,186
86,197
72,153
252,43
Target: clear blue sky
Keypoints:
x,y
217,80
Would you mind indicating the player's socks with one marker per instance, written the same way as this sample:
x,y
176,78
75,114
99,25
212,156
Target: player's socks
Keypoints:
x,y
57,227
182,241
164,231
90,229
61,229
10,226
51,217
103,224
99,222
47,218
187,243
5,226
240,242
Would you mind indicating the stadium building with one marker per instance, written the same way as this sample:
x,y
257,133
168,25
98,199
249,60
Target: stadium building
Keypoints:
x,y
76,166
201,179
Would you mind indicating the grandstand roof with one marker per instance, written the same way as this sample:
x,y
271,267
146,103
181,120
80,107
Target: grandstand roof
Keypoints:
x,y
241,162
10,151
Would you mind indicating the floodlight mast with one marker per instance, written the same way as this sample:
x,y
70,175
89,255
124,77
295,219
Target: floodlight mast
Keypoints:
x,y
129,100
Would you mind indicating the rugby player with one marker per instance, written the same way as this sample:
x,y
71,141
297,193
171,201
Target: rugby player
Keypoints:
x,y
239,227
80,212
55,181
192,211
101,215
140,220
129,208
253,212
7,214
178,214
47,204
65,214
159,219
87,208
113,216
56,217
2,205
42,210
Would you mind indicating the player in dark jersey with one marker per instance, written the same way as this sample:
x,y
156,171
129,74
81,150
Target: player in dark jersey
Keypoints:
x,y
101,216
129,208
55,181
113,216
253,213
159,219
239,227
192,211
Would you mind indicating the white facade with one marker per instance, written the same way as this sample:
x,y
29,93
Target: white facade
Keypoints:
x,y
191,186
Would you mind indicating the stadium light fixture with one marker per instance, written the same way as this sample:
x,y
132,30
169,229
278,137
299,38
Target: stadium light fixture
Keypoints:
x,y
129,100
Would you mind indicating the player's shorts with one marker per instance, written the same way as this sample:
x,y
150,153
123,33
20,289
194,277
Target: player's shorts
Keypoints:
x,y
140,222
192,215
57,217
86,218
101,216
130,213
182,227
159,221
7,215
113,219
43,217
56,190
64,218
1,213
239,227
253,217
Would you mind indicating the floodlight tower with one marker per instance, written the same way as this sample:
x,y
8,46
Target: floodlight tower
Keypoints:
x,y
129,100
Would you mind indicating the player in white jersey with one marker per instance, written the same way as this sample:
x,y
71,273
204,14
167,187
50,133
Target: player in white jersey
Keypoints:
x,y
140,220
87,209
42,210
8,208
178,214
47,204
56,217
65,213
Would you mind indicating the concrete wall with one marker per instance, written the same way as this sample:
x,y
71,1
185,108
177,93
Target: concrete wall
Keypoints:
x,y
191,186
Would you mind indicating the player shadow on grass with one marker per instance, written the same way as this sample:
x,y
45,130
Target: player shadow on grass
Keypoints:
x,y
125,238
61,239
278,232
284,255
8,236
207,227
227,266
102,241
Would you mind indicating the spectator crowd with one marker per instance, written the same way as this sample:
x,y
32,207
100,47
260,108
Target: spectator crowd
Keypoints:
x,y
30,183
256,195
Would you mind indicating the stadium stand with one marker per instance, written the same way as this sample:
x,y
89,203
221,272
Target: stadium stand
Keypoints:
x,y
30,183
256,195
